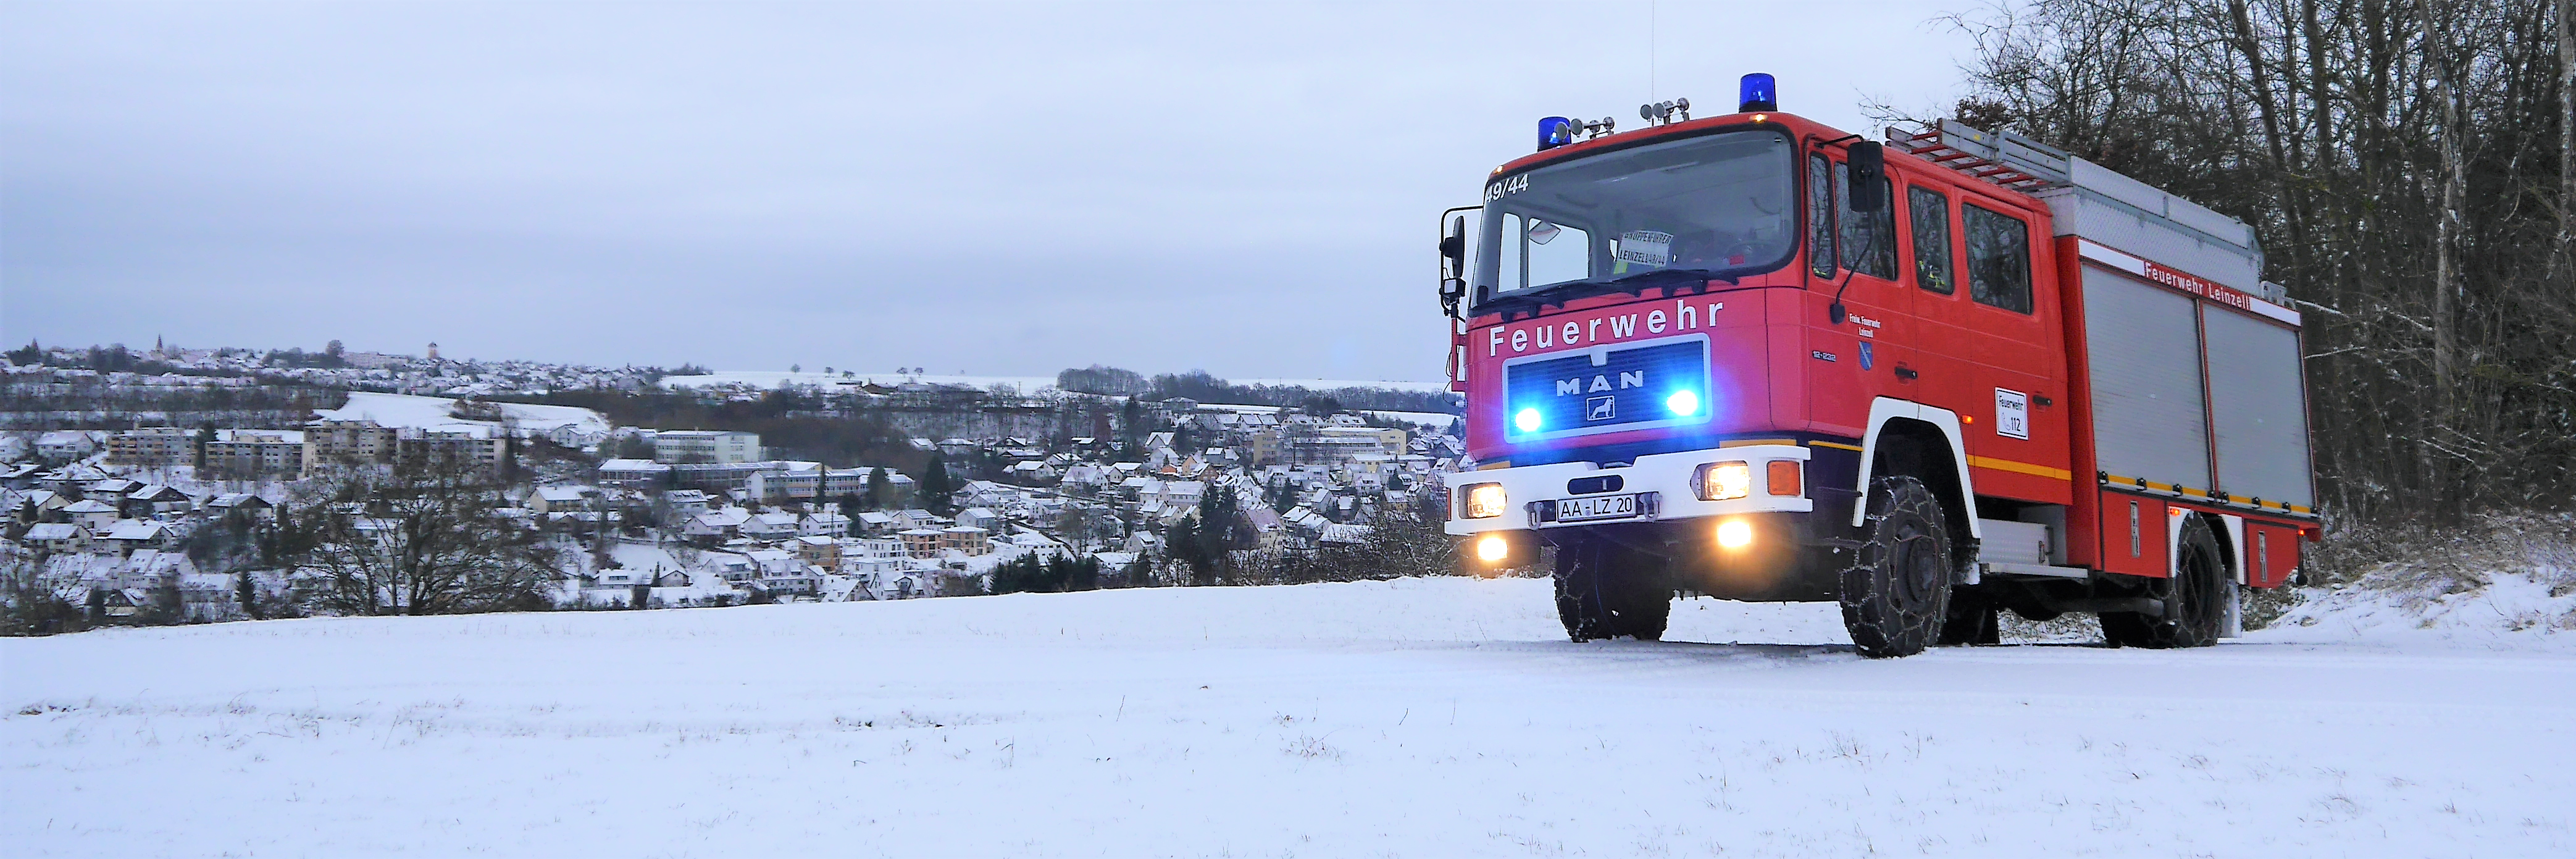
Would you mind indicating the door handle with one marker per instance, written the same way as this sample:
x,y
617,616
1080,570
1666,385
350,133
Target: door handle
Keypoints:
x,y
1906,374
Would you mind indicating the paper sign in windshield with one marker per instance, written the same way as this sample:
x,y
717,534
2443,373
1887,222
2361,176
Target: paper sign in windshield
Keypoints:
x,y
1646,247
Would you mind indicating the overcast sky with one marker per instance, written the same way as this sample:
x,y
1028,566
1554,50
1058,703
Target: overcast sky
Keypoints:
x,y
1004,189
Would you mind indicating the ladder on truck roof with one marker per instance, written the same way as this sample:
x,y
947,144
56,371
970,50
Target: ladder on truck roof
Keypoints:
x,y
2003,158
2097,203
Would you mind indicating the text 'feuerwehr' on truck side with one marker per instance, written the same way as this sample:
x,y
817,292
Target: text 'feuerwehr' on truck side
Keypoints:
x,y
1958,372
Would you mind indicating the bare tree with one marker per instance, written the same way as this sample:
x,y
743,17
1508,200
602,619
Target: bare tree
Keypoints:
x,y
425,539
2407,164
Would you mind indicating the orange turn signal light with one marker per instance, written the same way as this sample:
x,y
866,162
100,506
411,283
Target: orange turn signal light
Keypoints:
x,y
1782,476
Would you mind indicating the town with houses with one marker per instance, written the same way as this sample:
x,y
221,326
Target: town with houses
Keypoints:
x,y
648,516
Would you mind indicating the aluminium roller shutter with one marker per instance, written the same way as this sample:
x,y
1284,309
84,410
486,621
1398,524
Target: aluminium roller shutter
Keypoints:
x,y
2143,343
2257,405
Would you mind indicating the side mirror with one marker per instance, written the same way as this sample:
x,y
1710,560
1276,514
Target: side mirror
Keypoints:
x,y
1453,260
1868,186
1453,246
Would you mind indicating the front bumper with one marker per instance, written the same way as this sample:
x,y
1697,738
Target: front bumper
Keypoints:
x,y
1533,490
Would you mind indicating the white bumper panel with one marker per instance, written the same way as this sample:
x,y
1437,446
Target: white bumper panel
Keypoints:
x,y
1668,475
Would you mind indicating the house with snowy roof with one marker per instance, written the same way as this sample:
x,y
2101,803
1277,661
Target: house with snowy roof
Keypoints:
x,y
1084,478
684,503
716,525
92,515
240,502
133,534
66,445
824,523
980,517
729,566
58,537
562,499
824,552
159,500
111,491
986,493
773,525
783,573
874,522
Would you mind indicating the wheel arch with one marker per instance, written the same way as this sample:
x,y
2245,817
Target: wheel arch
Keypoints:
x,y
1930,435
2228,530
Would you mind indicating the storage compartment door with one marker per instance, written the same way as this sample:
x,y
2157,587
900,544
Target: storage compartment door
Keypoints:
x,y
2258,407
2144,348
2271,554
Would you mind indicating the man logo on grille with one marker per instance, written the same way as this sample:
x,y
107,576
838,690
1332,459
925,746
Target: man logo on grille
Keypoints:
x,y
1600,408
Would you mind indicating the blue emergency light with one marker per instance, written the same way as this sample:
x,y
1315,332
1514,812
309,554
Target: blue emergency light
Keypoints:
x,y
1554,131
1757,92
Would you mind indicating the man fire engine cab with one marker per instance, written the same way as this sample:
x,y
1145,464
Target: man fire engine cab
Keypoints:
x,y
1753,357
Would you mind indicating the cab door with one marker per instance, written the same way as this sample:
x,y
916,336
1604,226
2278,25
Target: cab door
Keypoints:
x,y
1992,346
1855,254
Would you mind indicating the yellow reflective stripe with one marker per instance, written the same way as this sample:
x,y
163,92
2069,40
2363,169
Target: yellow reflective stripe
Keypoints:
x,y
2021,467
1835,445
2117,481
1744,442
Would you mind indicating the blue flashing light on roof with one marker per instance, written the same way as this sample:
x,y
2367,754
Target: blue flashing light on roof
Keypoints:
x,y
1758,92
1554,131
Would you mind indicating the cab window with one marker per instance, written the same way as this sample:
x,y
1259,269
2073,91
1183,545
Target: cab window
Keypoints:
x,y
1868,240
1998,258
1820,217
1928,215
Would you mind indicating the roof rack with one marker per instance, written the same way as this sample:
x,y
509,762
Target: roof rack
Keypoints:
x,y
2003,158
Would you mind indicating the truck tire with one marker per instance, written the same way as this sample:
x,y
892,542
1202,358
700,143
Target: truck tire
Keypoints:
x,y
1605,590
2195,598
1896,593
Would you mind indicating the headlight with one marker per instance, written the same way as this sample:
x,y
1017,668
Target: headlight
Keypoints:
x,y
1485,501
1719,481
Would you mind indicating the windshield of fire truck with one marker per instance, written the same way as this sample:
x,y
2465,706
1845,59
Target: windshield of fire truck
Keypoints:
x,y
1724,203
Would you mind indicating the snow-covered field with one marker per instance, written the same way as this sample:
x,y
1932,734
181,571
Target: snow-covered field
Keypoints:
x,y
434,413
1437,717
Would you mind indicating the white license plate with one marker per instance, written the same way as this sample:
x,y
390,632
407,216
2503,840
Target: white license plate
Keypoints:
x,y
1603,507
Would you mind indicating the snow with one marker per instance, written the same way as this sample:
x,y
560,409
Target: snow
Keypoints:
x,y
1427,717
1026,384
774,378
1435,420
2513,610
432,413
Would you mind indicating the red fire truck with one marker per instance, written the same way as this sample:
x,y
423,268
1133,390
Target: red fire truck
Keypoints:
x,y
1935,378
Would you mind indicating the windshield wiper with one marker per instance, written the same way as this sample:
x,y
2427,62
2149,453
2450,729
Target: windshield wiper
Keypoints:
x,y
1643,279
1631,284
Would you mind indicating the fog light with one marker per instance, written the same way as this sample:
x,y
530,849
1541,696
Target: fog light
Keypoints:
x,y
1485,501
1492,548
1720,481
1734,534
